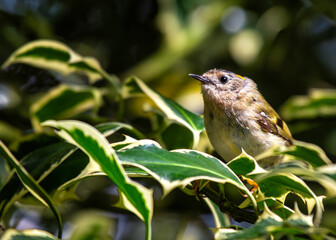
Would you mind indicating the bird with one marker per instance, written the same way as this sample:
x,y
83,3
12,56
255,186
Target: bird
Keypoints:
x,y
237,116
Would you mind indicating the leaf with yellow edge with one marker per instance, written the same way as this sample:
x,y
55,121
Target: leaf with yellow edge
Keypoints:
x,y
172,111
245,164
271,226
279,183
307,152
31,184
136,197
221,219
63,102
179,167
56,56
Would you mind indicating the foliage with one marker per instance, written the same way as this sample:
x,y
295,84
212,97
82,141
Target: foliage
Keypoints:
x,y
53,169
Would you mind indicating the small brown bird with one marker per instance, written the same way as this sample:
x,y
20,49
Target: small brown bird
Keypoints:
x,y
237,117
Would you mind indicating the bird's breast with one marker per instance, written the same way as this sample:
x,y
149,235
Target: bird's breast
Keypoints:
x,y
229,135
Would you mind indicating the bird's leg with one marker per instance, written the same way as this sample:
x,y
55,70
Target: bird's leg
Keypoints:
x,y
250,182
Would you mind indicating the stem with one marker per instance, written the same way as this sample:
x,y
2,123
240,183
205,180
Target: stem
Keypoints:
x,y
229,207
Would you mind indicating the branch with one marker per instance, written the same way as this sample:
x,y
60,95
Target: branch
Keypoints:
x,y
228,207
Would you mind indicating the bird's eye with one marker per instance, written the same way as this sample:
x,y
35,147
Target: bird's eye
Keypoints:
x,y
223,79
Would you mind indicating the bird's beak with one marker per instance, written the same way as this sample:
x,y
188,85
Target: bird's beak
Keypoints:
x,y
199,78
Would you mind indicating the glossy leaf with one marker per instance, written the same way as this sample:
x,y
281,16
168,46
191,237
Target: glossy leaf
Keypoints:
x,y
276,206
30,183
269,225
39,164
177,168
325,175
221,219
279,183
134,196
63,102
303,151
308,152
276,184
244,164
171,110
56,56
109,128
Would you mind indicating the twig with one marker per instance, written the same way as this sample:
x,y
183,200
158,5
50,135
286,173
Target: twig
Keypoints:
x,y
228,207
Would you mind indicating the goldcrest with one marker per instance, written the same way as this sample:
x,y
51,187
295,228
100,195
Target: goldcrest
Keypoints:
x,y
236,116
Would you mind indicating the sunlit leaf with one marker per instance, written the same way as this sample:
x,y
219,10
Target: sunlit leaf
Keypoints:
x,y
134,196
303,151
328,170
276,206
308,152
64,102
89,167
109,128
169,108
244,164
269,225
325,175
56,56
279,183
178,167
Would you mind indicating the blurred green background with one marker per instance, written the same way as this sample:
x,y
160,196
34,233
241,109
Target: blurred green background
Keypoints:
x,y
287,47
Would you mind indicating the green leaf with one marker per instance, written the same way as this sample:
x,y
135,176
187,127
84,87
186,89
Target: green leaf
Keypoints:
x,y
29,182
277,207
329,170
64,102
178,168
279,182
90,168
110,128
66,173
221,219
244,164
29,234
325,175
134,196
39,164
303,151
171,110
318,103
56,56
308,152
271,226
278,185
260,229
